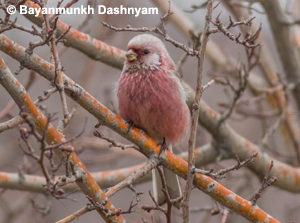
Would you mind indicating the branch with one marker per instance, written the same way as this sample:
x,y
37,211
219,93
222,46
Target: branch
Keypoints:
x,y
284,35
195,117
249,40
222,172
169,201
267,182
136,175
112,142
18,181
290,126
97,49
188,50
243,80
86,182
287,175
147,146
77,214
32,78
58,80
226,64
12,123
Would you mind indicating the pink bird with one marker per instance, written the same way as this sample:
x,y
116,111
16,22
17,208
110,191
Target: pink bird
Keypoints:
x,y
151,96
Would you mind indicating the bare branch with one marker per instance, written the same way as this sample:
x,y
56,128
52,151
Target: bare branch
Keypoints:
x,y
267,182
195,117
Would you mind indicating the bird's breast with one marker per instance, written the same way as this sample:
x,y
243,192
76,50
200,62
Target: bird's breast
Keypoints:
x,y
154,103
140,87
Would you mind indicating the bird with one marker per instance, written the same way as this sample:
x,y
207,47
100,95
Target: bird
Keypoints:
x,y
151,97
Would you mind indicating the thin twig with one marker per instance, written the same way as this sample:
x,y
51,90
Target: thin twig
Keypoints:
x,y
32,78
195,116
243,74
270,132
58,80
77,214
222,172
160,31
127,182
267,182
112,142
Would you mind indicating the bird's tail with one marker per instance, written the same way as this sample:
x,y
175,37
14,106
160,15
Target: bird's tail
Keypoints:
x,y
173,185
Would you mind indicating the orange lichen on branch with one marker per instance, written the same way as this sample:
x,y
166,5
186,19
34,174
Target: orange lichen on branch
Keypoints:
x,y
171,161
280,170
298,40
36,184
2,64
244,206
97,49
221,193
4,178
147,145
31,4
297,36
8,45
72,32
87,183
290,130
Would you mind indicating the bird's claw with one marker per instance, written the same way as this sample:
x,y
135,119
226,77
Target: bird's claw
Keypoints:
x,y
130,124
163,146
194,169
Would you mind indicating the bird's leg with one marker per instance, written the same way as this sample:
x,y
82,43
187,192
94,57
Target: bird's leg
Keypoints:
x,y
163,146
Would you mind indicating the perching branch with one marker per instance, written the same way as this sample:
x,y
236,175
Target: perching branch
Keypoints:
x,y
208,117
225,139
86,182
147,145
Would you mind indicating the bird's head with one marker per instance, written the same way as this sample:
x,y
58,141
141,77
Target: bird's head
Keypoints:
x,y
146,52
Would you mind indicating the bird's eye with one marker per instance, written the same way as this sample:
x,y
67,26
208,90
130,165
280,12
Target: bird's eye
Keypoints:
x,y
146,51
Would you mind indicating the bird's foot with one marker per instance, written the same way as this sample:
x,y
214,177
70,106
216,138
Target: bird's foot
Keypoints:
x,y
130,124
163,146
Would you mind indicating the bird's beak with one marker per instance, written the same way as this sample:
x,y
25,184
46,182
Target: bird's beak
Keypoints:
x,y
131,56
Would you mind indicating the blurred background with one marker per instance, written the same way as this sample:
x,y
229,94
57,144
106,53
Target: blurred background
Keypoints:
x,y
100,80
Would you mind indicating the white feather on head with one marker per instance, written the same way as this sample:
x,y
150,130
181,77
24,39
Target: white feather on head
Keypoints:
x,y
158,51
146,40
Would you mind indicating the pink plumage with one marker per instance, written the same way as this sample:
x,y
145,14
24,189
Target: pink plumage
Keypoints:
x,y
150,94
